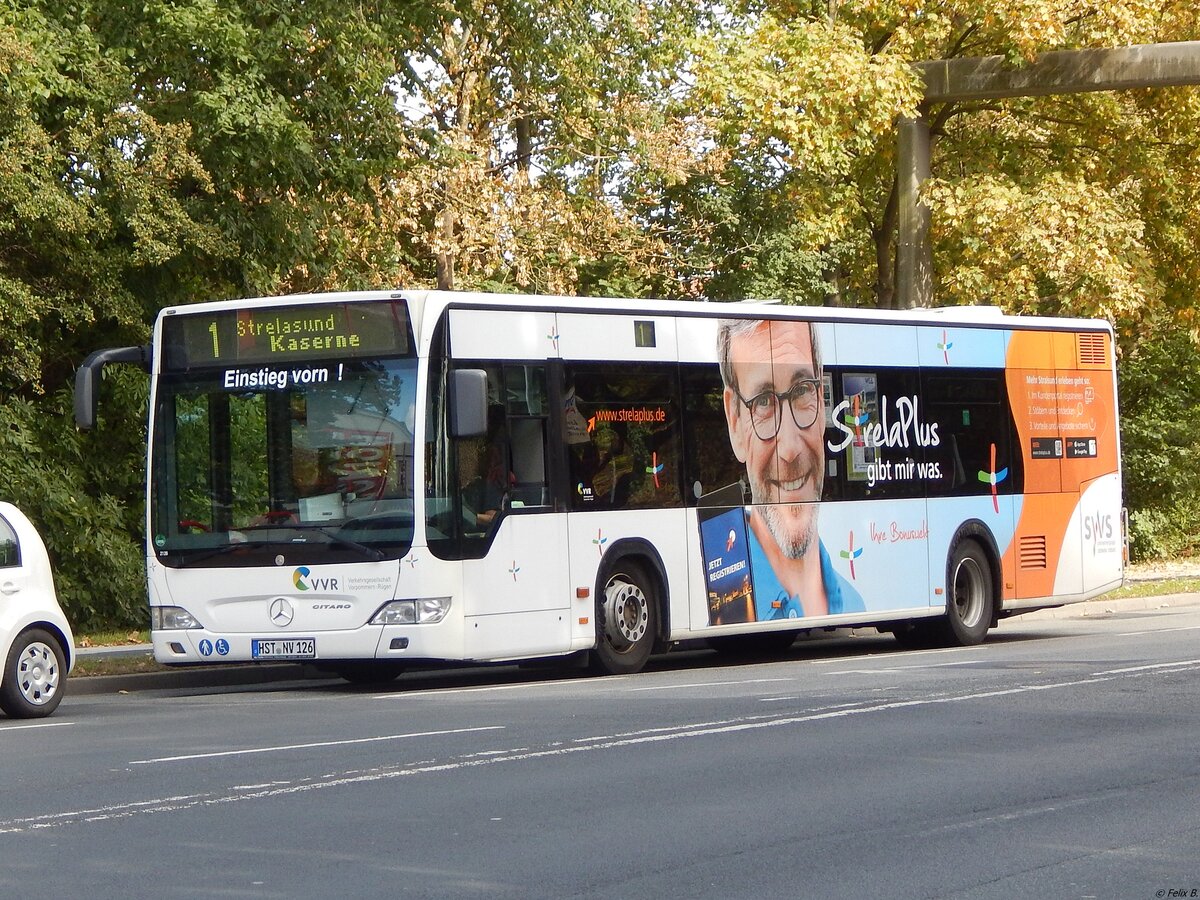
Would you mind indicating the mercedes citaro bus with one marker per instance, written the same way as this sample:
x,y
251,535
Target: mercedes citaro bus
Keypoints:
x,y
362,480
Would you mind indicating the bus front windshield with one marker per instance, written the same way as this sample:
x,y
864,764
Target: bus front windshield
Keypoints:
x,y
314,462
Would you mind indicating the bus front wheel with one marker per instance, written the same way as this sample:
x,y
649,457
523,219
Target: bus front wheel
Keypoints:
x,y
970,599
626,621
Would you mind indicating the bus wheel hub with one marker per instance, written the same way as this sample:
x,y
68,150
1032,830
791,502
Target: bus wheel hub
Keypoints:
x,y
626,613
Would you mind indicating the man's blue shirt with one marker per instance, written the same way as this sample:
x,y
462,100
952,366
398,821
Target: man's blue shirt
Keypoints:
x,y
843,596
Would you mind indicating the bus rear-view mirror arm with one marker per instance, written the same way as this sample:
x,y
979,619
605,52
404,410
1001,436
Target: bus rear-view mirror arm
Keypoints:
x,y
468,403
87,379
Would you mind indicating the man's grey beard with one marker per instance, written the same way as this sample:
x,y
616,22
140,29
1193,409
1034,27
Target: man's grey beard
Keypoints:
x,y
792,546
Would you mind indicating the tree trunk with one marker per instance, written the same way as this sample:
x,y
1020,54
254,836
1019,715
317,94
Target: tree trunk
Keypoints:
x,y
445,258
885,244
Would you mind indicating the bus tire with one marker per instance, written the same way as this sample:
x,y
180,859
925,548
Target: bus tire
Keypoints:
x,y
34,675
970,596
626,621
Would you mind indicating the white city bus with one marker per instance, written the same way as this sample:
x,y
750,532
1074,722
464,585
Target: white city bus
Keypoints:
x,y
364,480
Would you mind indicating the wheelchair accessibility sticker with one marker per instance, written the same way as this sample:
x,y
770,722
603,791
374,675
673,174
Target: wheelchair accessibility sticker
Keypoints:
x,y
222,647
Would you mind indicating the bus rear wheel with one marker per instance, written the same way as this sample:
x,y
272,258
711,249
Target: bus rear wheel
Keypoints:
x,y
626,621
970,601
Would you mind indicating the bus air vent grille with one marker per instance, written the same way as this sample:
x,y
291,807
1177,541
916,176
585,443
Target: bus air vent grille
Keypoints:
x,y
1093,350
1033,552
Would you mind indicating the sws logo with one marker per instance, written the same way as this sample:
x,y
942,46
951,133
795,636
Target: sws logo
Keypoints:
x,y
1098,528
302,581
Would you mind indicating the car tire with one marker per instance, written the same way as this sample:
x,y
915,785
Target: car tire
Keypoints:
x,y
35,674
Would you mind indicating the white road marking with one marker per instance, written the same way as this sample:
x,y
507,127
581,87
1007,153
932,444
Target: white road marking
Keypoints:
x,y
1158,631
174,804
907,654
56,724
1148,668
703,684
600,743
965,662
344,743
416,695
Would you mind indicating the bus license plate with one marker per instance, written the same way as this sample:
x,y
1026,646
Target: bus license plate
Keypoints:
x,y
284,648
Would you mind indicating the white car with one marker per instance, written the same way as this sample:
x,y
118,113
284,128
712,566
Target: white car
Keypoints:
x,y
36,644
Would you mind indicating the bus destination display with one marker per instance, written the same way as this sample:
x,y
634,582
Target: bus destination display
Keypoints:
x,y
269,335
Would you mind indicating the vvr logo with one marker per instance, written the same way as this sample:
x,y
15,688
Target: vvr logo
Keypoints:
x,y
303,582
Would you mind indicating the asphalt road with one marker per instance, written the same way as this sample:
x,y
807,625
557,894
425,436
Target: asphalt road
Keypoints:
x,y
1060,759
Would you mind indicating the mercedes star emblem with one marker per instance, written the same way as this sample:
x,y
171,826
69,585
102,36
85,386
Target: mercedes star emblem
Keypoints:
x,y
282,612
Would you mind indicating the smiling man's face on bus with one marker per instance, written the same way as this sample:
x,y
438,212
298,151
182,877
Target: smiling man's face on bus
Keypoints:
x,y
776,417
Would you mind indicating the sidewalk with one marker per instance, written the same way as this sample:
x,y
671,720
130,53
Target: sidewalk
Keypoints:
x,y
208,676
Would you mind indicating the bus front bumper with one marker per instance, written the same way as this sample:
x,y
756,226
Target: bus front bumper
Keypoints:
x,y
391,642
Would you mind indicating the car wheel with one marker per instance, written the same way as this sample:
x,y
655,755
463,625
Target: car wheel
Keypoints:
x,y
34,675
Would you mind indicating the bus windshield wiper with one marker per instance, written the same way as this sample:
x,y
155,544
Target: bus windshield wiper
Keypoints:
x,y
369,552
192,559
334,538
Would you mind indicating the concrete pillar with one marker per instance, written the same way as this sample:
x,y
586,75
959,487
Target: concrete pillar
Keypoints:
x,y
914,254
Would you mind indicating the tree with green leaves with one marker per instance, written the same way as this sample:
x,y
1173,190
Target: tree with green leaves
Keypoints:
x,y
161,153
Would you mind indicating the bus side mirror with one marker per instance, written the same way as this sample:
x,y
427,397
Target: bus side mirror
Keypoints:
x,y
87,379
468,403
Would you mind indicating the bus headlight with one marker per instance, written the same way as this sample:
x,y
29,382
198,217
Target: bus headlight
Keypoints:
x,y
426,611
172,618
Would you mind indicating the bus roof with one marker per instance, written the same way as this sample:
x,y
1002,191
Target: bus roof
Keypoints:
x,y
426,302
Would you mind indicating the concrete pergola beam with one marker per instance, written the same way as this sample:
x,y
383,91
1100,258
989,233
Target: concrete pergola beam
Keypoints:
x,y
1062,72
993,78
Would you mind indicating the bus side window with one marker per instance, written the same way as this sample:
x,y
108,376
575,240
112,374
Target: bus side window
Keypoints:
x,y
628,454
711,468
975,426
529,463
485,474
528,411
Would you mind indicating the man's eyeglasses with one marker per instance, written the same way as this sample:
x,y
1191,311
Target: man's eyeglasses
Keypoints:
x,y
766,409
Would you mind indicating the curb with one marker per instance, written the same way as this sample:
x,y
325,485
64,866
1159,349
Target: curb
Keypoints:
x,y
250,673
1101,606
